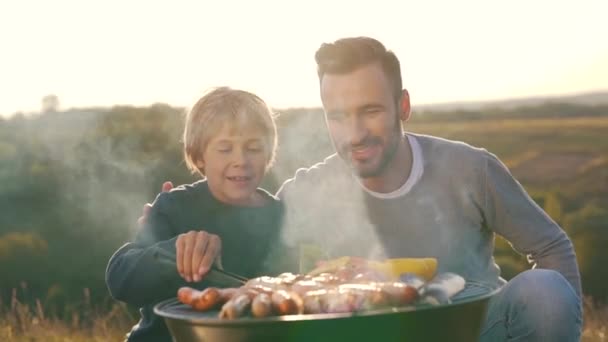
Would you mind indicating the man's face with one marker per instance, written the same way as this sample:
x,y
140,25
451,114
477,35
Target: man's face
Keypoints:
x,y
363,118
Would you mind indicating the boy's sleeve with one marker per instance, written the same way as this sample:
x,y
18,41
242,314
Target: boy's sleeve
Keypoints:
x,y
511,213
134,274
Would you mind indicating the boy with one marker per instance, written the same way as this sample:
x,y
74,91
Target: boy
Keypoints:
x,y
230,139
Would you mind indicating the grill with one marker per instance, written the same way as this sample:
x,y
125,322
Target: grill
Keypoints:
x,y
458,321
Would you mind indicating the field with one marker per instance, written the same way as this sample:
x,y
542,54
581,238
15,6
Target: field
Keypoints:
x,y
562,162
21,323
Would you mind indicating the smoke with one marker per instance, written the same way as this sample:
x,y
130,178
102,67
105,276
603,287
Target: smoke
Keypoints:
x,y
303,141
104,164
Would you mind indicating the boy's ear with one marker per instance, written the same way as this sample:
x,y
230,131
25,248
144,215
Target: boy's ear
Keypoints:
x,y
200,164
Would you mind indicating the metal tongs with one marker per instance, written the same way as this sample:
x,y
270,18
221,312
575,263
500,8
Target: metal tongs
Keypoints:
x,y
216,276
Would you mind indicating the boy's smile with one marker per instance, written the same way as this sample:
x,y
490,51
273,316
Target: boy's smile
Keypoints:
x,y
234,163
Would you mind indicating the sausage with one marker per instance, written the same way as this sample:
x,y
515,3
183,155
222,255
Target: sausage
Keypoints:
x,y
367,276
399,293
185,294
313,301
289,279
362,296
287,303
211,297
261,305
335,301
257,289
236,306
301,287
326,279
269,282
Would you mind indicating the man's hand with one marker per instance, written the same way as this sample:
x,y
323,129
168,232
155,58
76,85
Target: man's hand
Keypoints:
x,y
196,251
146,210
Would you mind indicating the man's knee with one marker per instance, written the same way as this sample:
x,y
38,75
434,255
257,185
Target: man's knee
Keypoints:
x,y
543,285
536,305
545,294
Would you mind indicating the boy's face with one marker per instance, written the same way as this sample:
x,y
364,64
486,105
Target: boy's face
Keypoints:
x,y
234,162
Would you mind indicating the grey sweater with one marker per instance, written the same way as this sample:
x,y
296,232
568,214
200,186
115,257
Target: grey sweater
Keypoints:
x,y
457,198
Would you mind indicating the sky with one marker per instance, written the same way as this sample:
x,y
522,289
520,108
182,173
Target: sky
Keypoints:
x,y
111,52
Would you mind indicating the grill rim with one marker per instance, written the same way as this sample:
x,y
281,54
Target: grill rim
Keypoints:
x,y
161,310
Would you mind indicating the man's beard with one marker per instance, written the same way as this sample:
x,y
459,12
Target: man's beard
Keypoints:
x,y
388,154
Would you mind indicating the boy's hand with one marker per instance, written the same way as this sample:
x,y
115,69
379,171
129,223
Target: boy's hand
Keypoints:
x,y
196,251
146,210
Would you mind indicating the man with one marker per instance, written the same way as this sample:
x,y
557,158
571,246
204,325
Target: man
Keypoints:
x,y
389,194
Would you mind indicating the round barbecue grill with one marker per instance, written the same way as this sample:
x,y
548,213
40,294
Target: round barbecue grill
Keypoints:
x,y
458,321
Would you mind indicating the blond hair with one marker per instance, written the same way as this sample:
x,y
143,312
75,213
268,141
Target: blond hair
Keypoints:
x,y
226,105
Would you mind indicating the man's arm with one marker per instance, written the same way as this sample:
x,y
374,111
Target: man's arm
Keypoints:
x,y
510,212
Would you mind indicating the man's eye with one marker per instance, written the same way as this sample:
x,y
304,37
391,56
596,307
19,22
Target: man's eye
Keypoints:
x,y
224,150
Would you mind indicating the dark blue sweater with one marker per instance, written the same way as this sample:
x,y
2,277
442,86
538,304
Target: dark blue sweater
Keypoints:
x,y
135,276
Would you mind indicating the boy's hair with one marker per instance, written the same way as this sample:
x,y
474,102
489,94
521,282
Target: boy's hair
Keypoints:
x,y
223,105
348,54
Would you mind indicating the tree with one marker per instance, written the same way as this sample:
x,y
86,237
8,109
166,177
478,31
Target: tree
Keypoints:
x,y
50,103
590,237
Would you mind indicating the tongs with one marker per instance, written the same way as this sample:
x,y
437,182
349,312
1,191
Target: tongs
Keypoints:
x,y
216,276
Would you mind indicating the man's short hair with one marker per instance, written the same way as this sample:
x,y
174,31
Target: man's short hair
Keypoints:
x,y
348,54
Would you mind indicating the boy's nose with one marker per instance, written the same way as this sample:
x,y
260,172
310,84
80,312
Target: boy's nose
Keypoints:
x,y
240,158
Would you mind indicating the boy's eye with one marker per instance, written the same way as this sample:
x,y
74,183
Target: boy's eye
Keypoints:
x,y
254,148
224,150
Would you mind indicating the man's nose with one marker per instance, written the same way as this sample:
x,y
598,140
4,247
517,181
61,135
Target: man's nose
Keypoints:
x,y
356,130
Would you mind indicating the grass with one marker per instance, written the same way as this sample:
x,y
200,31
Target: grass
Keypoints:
x,y
31,322
21,322
596,322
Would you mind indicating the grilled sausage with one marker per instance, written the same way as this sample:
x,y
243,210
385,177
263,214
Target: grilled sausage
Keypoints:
x,y
185,294
301,287
313,301
257,289
362,296
338,301
211,297
287,303
399,293
261,305
236,307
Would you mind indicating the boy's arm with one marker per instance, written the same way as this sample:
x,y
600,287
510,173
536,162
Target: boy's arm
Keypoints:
x,y
510,212
134,274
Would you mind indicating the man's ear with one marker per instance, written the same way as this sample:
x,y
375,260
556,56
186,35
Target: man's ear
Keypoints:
x,y
406,109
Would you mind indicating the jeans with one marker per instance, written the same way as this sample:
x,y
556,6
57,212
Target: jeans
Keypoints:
x,y
536,305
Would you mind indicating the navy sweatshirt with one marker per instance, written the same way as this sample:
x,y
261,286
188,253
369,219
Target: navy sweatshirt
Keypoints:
x,y
135,276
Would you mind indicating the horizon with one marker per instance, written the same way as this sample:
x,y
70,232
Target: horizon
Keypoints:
x,y
425,106
138,54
